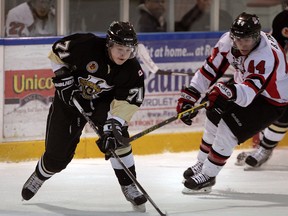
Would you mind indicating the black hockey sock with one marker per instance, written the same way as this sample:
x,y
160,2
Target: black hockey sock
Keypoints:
x,y
123,178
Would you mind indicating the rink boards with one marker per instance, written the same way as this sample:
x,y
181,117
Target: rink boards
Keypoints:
x,y
28,91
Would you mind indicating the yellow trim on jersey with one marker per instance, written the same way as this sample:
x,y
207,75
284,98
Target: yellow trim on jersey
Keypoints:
x,y
54,58
123,109
123,151
278,129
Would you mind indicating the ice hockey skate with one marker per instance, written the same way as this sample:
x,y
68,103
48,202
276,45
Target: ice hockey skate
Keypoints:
x,y
193,170
241,157
31,186
132,195
199,183
259,157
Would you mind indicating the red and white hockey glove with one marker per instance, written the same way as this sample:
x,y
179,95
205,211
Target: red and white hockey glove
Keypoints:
x,y
220,96
189,96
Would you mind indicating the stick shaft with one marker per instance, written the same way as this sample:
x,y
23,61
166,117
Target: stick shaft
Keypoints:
x,y
126,140
128,172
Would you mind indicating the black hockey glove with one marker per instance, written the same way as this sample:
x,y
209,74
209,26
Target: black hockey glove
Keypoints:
x,y
189,96
221,96
108,141
65,85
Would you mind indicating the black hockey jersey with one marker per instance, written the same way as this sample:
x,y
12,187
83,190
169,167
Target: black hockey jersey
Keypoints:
x,y
96,74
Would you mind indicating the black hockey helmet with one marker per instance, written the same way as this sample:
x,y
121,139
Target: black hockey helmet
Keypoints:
x,y
246,25
122,33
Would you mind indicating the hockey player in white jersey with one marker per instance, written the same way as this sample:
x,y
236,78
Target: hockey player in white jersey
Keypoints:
x,y
272,135
31,18
239,108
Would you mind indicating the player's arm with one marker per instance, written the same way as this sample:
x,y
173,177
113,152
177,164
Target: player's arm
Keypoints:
x,y
18,21
15,27
63,80
214,66
126,102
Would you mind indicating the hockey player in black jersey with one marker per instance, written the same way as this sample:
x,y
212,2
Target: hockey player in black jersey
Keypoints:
x,y
108,82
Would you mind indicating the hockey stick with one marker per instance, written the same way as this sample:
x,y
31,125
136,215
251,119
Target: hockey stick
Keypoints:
x,y
143,54
126,140
128,172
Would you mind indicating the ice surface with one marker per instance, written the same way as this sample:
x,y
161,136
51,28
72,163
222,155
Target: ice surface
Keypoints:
x,y
88,187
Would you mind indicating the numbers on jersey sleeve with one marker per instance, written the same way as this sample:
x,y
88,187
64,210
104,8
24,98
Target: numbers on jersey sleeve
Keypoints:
x,y
136,93
63,47
260,67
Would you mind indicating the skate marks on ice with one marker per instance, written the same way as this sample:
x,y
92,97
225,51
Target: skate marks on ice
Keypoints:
x,y
57,209
267,199
247,202
88,188
268,167
234,201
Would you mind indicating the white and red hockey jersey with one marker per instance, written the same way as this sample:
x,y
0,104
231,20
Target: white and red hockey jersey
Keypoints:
x,y
264,71
22,22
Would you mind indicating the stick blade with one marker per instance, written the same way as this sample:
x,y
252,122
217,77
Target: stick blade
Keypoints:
x,y
143,54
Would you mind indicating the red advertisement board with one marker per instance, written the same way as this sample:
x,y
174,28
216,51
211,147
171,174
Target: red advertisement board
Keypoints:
x,y
22,86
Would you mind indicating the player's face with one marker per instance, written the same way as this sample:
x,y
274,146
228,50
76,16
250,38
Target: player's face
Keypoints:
x,y
244,45
41,7
120,53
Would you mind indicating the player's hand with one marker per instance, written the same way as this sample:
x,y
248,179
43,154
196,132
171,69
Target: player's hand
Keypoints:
x,y
108,142
65,86
221,96
189,96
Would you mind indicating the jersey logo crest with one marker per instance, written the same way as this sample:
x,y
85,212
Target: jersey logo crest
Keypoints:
x,y
92,67
91,87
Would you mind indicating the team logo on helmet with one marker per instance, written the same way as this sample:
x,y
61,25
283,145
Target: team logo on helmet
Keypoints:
x,y
255,20
92,67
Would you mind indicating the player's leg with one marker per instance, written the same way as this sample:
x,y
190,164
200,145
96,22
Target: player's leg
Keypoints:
x,y
217,157
129,189
210,129
205,147
63,131
237,125
271,137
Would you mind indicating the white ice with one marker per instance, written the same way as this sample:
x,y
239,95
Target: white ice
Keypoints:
x,y
88,187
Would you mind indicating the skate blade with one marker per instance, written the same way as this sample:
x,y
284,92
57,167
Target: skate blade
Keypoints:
x,y
250,168
240,160
240,163
205,190
139,208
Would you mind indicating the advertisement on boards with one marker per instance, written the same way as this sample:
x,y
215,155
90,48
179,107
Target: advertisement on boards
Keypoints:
x,y
29,89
